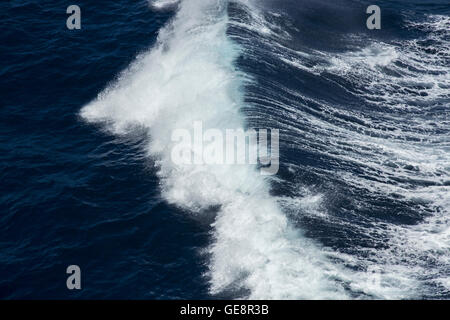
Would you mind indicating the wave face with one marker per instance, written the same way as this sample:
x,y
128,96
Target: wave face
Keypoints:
x,y
360,207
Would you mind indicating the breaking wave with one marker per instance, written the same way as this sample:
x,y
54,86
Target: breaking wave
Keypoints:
x,y
384,136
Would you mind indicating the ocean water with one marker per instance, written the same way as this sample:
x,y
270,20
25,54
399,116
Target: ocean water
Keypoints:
x,y
358,210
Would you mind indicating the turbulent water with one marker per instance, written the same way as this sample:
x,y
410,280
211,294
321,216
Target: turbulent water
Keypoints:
x,y
359,208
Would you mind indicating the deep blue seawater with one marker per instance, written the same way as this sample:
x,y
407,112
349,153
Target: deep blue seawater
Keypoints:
x,y
364,119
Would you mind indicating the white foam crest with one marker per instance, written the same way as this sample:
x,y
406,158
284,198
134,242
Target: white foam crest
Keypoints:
x,y
189,76
258,22
398,75
282,263
160,5
433,22
372,56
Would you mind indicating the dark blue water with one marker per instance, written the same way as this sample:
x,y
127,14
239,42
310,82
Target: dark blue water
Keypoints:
x,y
70,194
364,118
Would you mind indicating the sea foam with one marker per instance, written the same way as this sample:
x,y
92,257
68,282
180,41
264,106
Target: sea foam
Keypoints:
x,y
190,75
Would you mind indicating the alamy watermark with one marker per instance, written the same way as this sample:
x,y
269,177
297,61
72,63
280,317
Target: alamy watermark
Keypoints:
x,y
374,21
227,147
74,20
74,280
